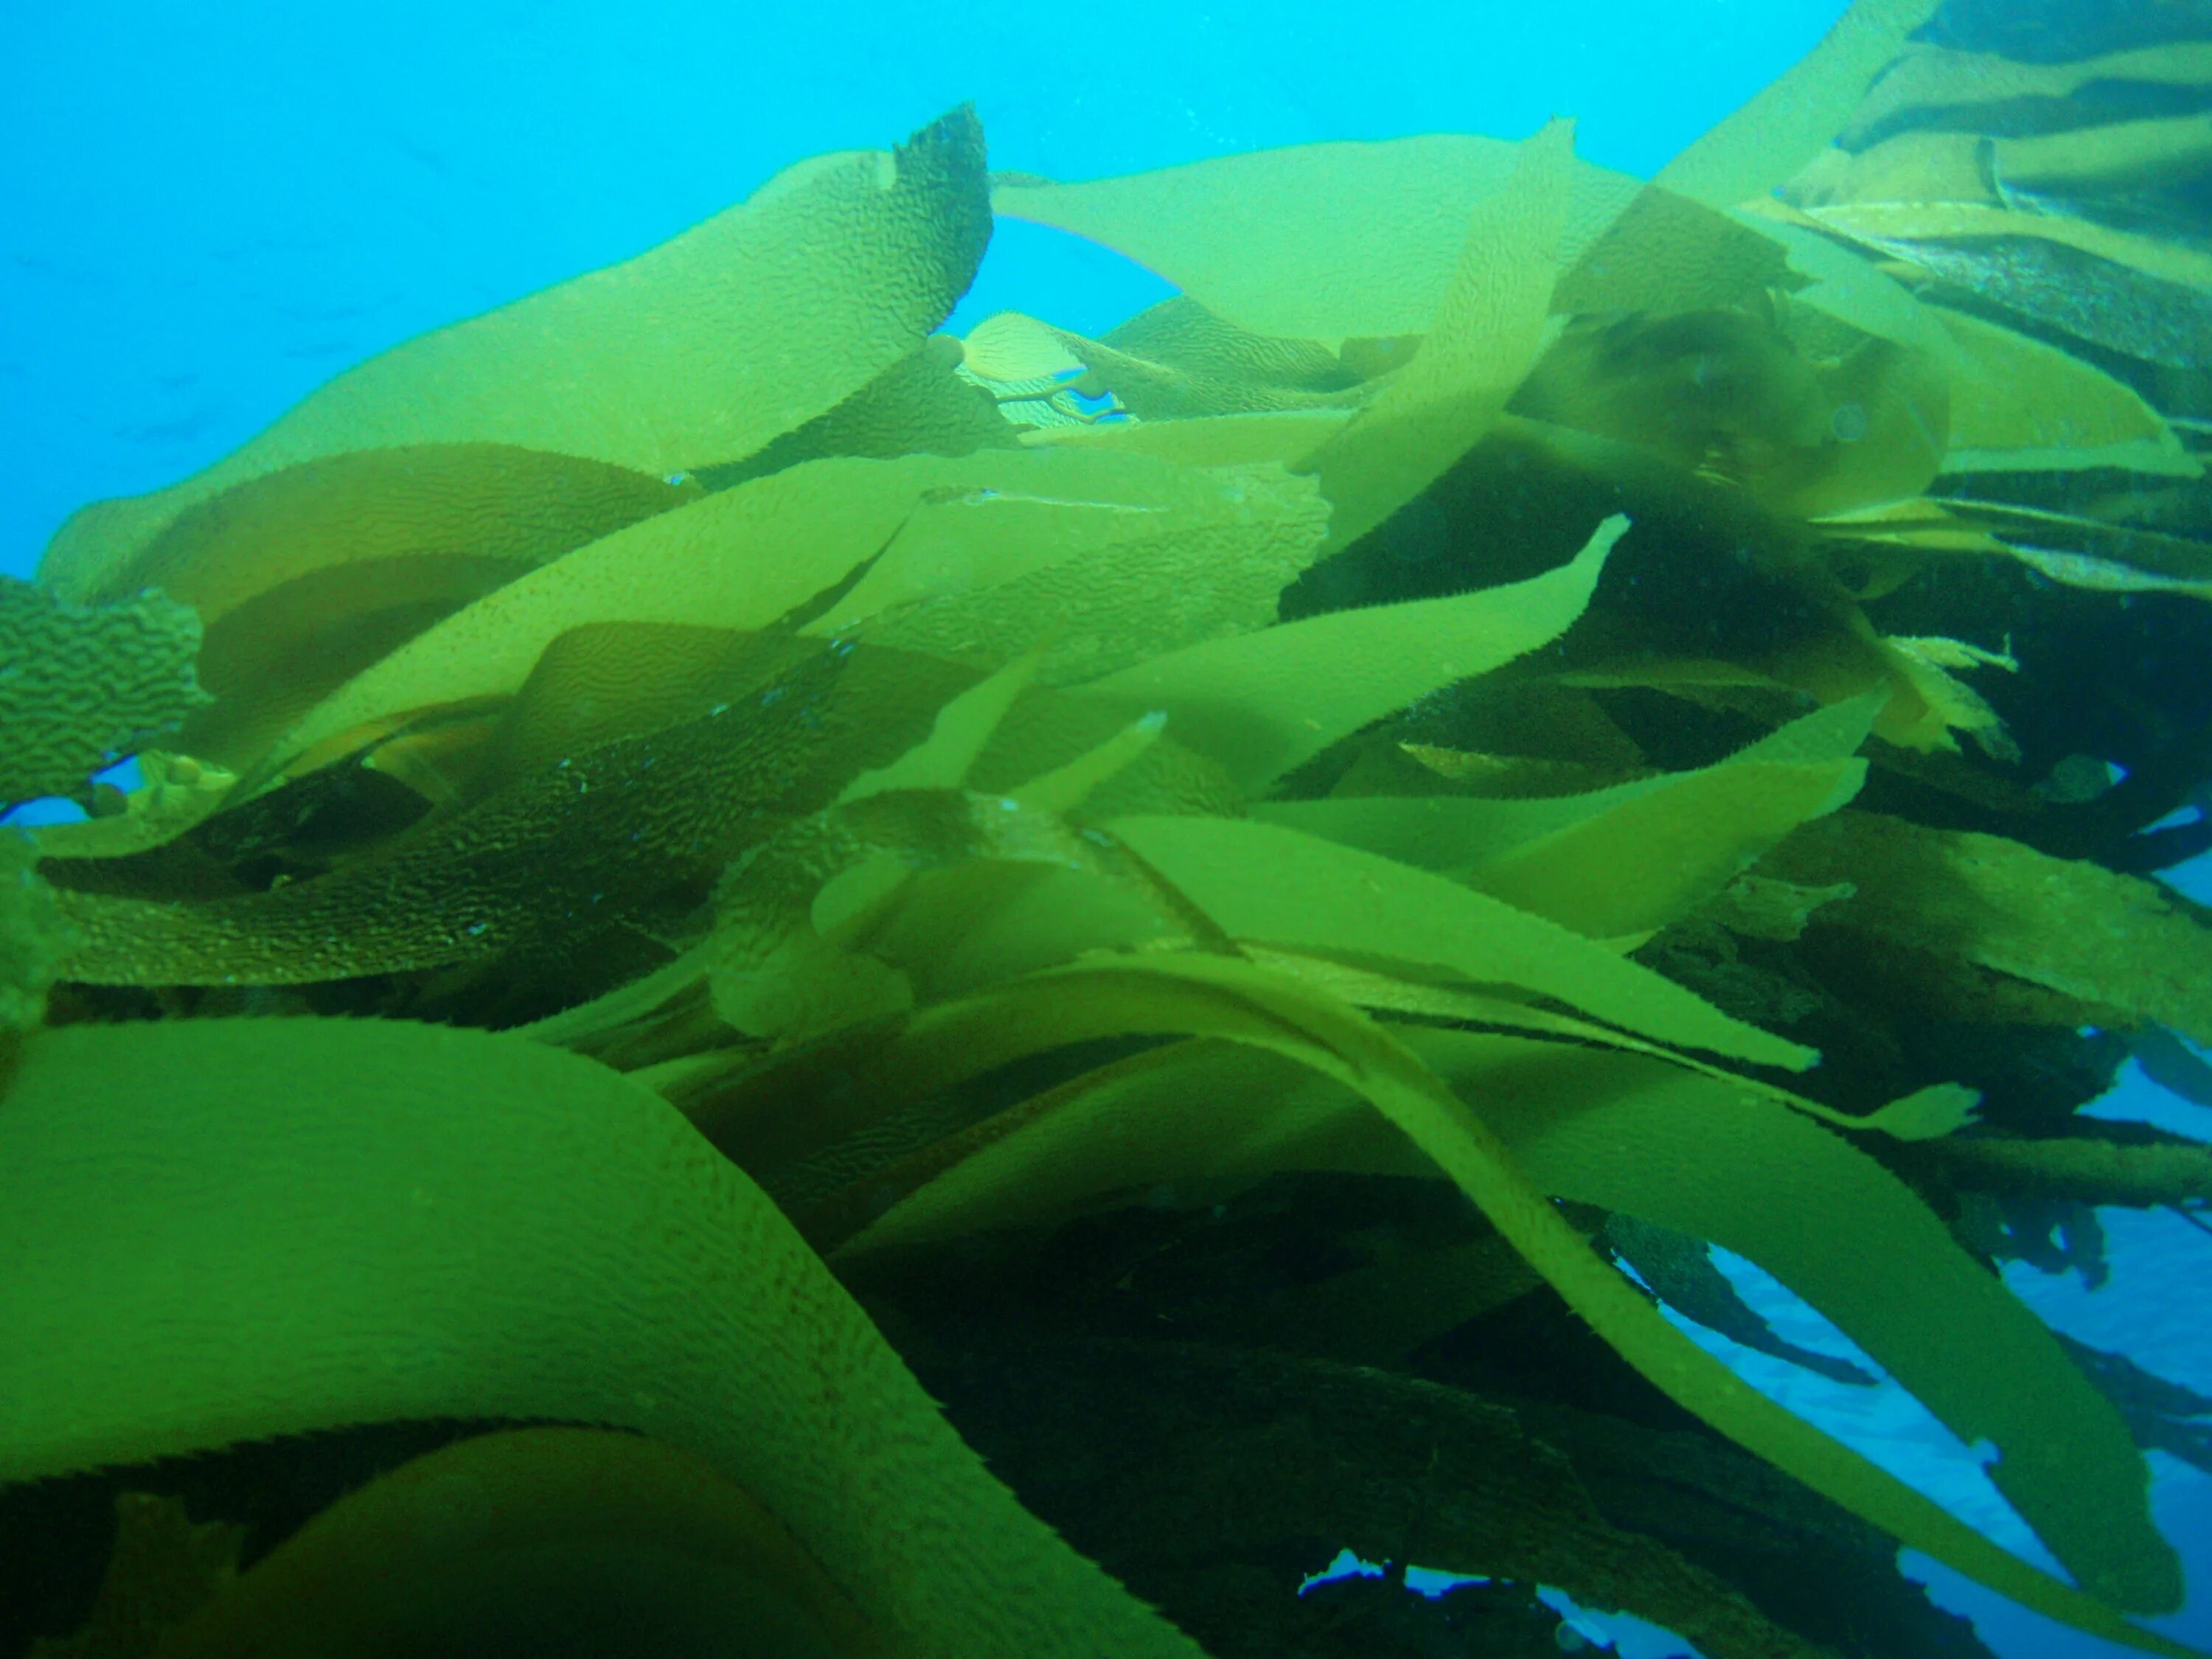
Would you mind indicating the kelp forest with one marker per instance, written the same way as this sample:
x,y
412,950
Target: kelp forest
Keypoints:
x,y
777,983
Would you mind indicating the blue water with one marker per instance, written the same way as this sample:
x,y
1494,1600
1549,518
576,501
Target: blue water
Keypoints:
x,y
206,210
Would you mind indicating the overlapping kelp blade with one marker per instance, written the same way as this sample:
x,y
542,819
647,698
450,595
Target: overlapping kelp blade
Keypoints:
x,y
1488,326
34,941
699,351
1634,1136
1786,122
1692,1153
413,1223
593,841
85,684
1277,887
2103,941
1617,862
1221,997
918,406
2019,405
567,1536
1324,241
744,558
305,576
1931,79
1264,703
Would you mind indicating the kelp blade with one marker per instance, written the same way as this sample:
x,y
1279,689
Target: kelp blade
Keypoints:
x,y
701,350
412,1222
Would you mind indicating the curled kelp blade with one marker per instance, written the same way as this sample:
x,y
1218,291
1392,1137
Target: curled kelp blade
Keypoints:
x,y
1221,997
536,1541
404,1222
699,351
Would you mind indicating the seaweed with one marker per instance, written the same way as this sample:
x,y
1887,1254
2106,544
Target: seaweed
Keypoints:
x,y
738,857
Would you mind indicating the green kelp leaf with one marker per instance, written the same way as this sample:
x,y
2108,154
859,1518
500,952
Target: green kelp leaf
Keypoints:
x,y
1692,1153
2084,1170
964,725
1277,887
1729,396
602,839
1617,862
417,1222
2070,927
739,559
163,1567
305,576
1489,323
895,898
1787,121
1932,78
699,351
1265,702
2018,405
565,1538
1327,242
85,684
34,939
1899,227
460,502
980,577
1224,999
1668,253
918,406
1642,858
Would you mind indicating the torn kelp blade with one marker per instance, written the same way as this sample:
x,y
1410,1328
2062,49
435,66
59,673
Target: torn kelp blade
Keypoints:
x,y
224,1231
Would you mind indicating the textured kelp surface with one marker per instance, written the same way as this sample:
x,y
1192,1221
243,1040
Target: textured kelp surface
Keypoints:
x,y
811,904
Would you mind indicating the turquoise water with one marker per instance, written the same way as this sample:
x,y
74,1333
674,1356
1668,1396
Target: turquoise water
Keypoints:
x,y
205,212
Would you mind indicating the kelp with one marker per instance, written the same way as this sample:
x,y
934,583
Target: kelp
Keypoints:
x,y
1523,688
698,352
87,684
356,1215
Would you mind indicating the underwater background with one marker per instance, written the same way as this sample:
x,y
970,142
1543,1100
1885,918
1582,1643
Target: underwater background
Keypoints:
x,y
206,213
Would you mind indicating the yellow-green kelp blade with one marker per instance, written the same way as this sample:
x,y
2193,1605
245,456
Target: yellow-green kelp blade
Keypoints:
x,y
1786,122
223,1231
1263,704
1322,241
1697,1154
1278,887
531,1540
1488,327
698,351
1219,997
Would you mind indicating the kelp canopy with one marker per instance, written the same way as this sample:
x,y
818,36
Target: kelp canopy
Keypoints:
x,y
716,867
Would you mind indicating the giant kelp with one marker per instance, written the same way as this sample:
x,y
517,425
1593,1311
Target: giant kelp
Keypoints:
x,y
726,852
